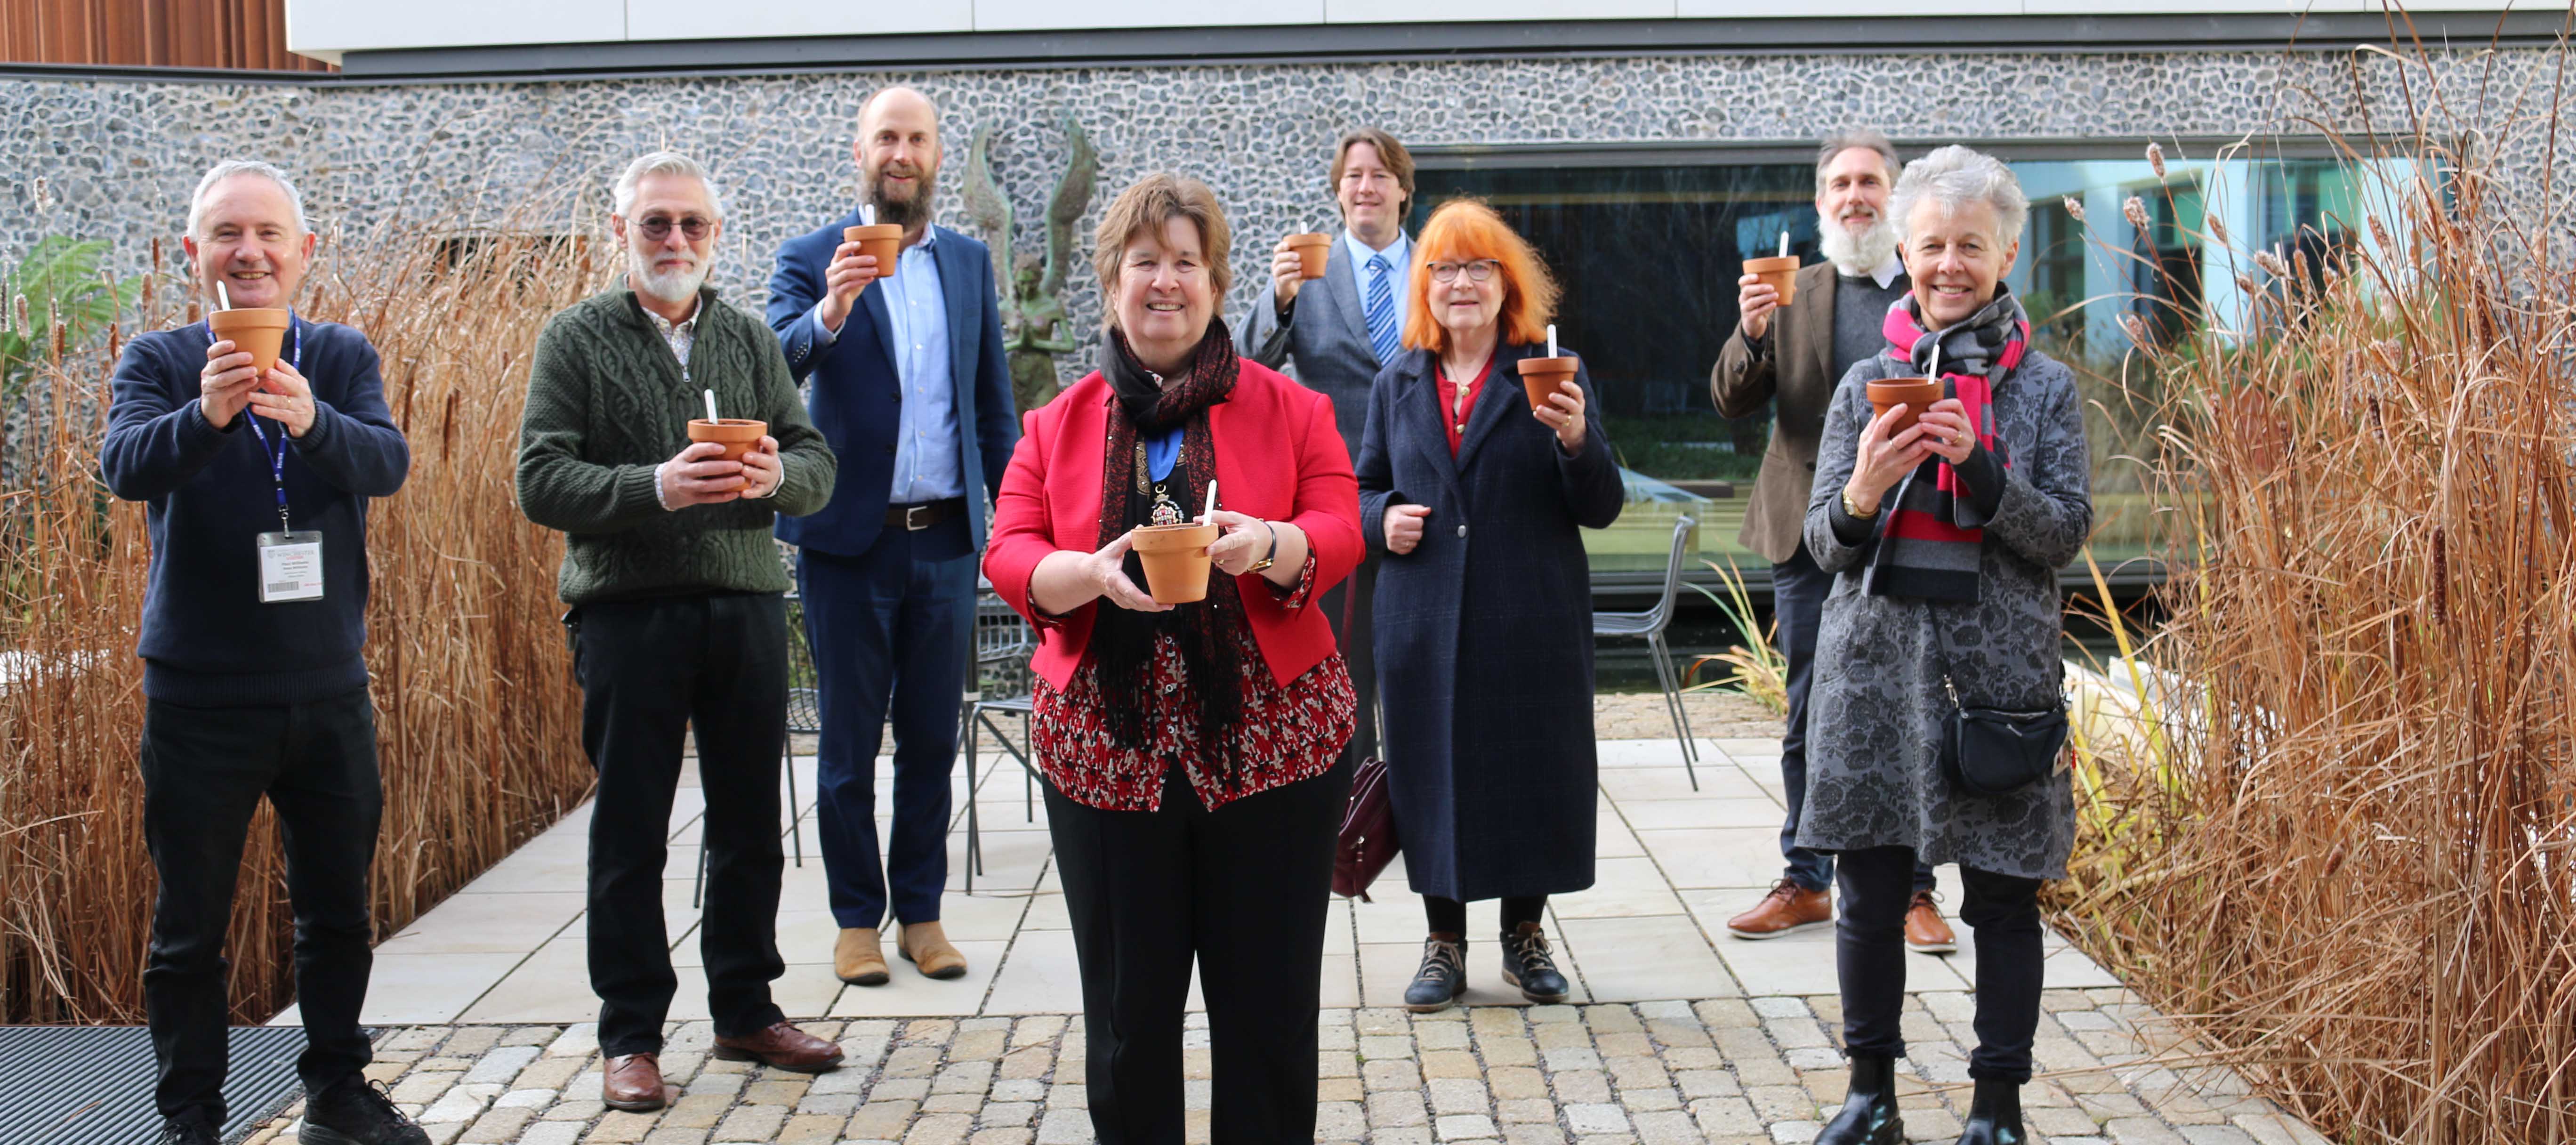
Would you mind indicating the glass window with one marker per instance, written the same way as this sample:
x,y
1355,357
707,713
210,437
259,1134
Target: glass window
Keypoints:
x,y
2175,270
1648,257
1648,246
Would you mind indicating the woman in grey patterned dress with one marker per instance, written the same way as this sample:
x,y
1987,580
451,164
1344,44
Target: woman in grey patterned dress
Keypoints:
x,y
1946,538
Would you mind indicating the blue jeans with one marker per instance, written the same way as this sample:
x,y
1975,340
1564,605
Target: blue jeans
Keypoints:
x,y
891,631
1798,591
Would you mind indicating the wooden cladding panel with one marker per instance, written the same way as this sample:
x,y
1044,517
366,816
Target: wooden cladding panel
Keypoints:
x,y
150,33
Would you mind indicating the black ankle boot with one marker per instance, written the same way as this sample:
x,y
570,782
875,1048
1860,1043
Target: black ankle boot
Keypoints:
x,y
1868,1115
1994,1114
1441,979
1528,965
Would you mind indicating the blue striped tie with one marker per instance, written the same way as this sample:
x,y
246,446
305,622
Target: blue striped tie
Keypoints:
x,y
1381,309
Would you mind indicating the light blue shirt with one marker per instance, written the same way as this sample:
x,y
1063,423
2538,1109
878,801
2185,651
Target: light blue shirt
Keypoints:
x,y
1399,270
926,464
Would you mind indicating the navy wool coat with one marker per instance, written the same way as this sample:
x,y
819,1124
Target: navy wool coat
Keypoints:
x,y
1484,631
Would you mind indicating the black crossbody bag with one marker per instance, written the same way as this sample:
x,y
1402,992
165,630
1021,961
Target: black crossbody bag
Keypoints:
x,y
1997,751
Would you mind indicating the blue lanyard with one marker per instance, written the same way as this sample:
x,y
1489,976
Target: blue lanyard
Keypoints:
x,y
276,456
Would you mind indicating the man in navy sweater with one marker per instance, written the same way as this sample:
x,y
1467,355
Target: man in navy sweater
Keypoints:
x,y
253,682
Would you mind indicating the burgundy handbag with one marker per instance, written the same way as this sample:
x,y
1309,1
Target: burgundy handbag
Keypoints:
x,y
1368,840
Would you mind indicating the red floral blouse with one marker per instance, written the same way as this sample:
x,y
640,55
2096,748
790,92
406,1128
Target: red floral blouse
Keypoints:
x,y
1286,733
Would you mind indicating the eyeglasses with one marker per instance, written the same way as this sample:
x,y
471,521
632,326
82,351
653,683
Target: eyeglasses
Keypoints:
x,y
658,227
1477,271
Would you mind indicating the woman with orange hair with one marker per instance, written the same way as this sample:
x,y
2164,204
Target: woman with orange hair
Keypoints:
x,y
1472,494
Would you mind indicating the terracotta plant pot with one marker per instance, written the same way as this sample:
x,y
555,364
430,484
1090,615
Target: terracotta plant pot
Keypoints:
x,y
1915,394
1176,561
1539,376
738,435
1314,253
884,240
1780,272
258,331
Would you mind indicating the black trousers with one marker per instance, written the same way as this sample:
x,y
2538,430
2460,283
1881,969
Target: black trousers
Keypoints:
x,y
1869,952
1242,890
1798,592
650,669
1351,607
204,771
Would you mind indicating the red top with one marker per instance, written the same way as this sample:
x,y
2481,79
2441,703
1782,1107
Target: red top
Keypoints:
x,y
1278,458
1455,410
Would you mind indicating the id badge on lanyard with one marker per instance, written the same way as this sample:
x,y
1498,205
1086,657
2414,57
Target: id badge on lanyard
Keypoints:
x,y
290,566
290,562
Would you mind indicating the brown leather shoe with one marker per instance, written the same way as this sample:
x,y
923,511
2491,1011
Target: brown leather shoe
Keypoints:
x,y
784,1046
633,1082
1925,932
1788,909
925,945
856,958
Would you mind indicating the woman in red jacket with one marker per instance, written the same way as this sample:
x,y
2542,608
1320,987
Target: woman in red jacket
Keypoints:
x,y
1189,750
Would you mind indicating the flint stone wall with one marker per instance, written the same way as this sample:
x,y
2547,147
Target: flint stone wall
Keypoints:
x,y
117,159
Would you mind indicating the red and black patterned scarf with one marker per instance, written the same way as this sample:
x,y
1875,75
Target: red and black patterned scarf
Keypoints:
x,y
1122,641
1926,551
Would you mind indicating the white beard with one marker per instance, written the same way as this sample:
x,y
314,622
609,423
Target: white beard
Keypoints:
x,y
1859,254
673,287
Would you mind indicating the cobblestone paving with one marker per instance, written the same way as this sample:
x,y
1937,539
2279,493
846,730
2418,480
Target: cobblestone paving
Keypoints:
x,y
1729,1071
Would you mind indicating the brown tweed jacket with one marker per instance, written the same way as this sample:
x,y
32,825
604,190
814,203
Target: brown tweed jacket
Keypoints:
x,y
1791,367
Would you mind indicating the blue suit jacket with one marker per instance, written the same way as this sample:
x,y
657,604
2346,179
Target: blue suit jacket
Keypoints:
x,y
855,397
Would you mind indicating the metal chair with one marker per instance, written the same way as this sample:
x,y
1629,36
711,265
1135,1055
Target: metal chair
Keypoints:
x,y
1003,644
1650,624
804,714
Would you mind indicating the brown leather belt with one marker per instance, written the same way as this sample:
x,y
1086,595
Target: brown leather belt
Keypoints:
x,y
922,516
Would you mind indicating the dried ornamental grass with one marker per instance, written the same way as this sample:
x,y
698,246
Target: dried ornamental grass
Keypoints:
x,y
478,720
2338,836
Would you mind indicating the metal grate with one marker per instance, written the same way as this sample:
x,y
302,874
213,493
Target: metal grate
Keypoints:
x,y
92,1085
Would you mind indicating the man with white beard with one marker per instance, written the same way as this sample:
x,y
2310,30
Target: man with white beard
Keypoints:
x,y
678,619
1796,355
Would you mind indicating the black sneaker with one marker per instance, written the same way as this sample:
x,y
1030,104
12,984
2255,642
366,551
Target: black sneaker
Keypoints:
x,y
189,1128
356,1111
1441,980
1528,965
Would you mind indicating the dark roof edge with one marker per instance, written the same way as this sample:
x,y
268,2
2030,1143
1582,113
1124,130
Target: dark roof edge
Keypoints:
x,y
1353,43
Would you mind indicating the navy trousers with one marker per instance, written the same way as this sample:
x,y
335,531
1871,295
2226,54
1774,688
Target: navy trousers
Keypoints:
x,y
892,634
1798,591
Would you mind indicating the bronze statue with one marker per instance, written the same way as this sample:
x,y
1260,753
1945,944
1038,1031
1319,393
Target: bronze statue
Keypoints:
x,y
1033,314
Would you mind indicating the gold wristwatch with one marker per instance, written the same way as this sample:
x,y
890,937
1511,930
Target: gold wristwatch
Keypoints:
x,y
1854,510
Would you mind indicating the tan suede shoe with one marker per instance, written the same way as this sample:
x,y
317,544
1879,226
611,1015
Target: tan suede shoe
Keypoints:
x,y
856,958
925,945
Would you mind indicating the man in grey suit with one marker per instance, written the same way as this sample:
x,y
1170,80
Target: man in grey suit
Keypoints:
x,y
1342,328
1795,356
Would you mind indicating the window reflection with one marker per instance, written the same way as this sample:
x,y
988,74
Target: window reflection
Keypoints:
x,y
1649,254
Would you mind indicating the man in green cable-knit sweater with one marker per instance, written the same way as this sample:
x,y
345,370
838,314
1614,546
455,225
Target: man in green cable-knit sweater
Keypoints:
x,y
678,617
